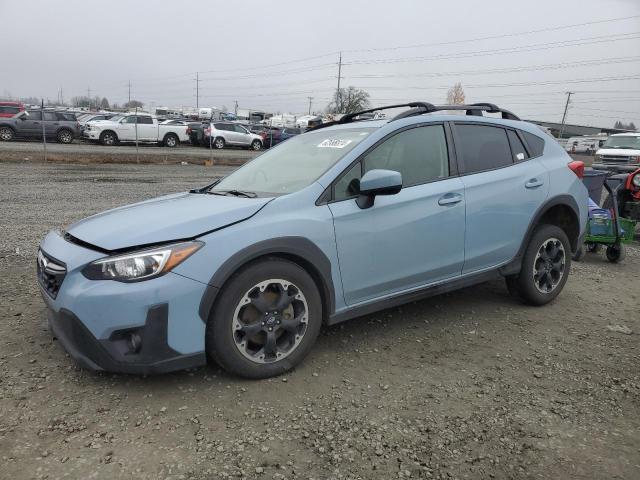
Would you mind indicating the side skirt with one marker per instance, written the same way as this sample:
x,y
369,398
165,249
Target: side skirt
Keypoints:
x,y
423,293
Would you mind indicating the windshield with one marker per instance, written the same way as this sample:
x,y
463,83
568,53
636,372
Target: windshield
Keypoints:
x,y
294,164
624,141
117,118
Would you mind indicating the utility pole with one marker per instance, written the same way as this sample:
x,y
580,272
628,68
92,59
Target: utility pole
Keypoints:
x,y
197,90
129,85
564,115
338,89
310,98
236,111
61,97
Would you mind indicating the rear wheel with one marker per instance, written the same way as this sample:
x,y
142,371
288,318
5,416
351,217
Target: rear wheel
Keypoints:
x,y
170,140
219,143
6,134
65,136
616,253
108,138
266,320
545,266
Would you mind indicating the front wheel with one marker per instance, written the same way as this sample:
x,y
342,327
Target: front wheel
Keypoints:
x,y
266,320
108,138
256,145
6,134
545,266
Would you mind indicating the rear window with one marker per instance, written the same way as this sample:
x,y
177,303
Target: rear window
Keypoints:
x,y
535,143
517,148
483,147
11,110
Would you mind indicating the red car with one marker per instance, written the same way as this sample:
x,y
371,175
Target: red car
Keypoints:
x,y
9,109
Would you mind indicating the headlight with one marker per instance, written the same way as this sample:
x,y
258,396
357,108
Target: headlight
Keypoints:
x,y
636,180
141,265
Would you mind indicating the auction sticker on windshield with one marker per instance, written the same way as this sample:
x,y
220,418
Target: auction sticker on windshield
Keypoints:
x,y
334,143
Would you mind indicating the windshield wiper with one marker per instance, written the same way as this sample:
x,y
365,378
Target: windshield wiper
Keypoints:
x,y
206,188
235,193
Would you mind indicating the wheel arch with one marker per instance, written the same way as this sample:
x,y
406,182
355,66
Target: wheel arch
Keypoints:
x,y
298,250
561,211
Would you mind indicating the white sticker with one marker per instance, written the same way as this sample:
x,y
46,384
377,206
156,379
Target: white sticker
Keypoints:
x,y
334,143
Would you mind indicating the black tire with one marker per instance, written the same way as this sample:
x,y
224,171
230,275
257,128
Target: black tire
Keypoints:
x,y
219,143
616,253
6,134
256,145
65,136
523,285
171,140
108,138
223,347
593,247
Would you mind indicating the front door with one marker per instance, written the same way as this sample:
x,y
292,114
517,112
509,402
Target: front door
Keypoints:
x,y
407,240
31,126
242,136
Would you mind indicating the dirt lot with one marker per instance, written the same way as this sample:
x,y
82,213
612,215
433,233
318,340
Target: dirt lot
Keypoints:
x,y
467,385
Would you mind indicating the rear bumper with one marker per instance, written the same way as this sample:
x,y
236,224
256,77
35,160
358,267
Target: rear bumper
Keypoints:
x,y
115,353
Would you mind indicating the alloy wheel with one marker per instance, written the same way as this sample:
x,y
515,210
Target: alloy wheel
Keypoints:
x,y
5,134
270,321
549,265
65,137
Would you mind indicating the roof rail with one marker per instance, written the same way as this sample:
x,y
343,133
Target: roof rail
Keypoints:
x,y
352,117
420,108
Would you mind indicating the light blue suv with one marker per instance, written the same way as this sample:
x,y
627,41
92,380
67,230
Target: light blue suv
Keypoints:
x,y
345,220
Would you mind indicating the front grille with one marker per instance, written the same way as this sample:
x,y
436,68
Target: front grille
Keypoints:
x,y
615,158
51,273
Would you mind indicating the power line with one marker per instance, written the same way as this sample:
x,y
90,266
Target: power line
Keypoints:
x,y
492,37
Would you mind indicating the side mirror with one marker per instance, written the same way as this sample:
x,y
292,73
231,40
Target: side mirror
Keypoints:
x,y
378,182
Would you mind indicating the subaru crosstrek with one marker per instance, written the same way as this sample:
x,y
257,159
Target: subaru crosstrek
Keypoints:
x,y
348,219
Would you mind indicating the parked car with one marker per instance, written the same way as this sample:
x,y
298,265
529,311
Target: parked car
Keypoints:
x,y
195,131
289,132
129,127
620,153
93,117
585,144
221,134
271,136
10,109
342,221
29,124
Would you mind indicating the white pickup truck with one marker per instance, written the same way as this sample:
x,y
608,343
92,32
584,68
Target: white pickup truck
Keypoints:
x,y
131,127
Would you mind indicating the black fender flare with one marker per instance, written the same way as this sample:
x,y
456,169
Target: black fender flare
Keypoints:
x,y
513,267
299,249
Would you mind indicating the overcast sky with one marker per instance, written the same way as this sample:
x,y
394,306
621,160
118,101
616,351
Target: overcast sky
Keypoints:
x,y
273,55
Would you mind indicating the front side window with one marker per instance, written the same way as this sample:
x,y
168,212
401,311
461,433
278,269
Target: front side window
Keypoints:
x,y
294,164
130,119
419,154
348,185
35,115
240,129
483,147
50,117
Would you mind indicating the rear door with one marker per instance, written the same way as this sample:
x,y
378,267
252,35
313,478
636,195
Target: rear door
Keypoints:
x,y
147,129
409,239
504,187
51,123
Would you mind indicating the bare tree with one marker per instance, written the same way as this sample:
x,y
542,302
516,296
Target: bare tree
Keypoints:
x,y
133,104
455,95
104,103
349,100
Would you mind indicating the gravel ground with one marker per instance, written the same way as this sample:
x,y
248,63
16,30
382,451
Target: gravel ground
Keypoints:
x,y
466,385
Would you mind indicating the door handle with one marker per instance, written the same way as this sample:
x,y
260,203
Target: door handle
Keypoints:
x,y
449,199
533,183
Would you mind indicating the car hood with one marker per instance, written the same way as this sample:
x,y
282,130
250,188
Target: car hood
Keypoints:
x,y
172,217
623,152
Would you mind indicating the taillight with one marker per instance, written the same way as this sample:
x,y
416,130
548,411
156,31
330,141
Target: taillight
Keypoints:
x,y
577,167
188,130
